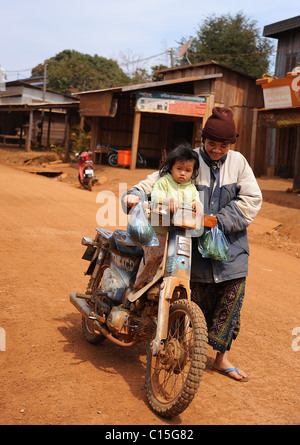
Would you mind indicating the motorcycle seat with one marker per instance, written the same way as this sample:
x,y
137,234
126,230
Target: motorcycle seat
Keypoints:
x,y
118,242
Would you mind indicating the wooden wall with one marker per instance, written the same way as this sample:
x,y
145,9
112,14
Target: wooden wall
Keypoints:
x,y
155,130
261,151
288,47
10,123
57,127
231,89
234,90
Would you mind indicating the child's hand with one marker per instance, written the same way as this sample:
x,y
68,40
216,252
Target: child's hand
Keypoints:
x,y
198,208
174,205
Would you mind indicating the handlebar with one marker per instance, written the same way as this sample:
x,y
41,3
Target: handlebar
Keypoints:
x,y
88,152
184,216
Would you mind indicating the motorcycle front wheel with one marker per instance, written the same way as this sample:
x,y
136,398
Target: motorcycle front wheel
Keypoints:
x,y
174,375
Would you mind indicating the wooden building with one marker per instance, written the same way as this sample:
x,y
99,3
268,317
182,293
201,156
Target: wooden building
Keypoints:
x,y
31,115
154,117
280,116
287,32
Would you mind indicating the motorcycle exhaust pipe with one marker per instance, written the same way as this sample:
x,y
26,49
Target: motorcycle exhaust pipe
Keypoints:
x,y
78,300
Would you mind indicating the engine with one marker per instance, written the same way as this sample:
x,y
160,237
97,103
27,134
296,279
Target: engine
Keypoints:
x,y
121,322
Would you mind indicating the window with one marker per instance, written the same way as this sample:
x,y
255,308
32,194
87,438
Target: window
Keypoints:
x,y
291,62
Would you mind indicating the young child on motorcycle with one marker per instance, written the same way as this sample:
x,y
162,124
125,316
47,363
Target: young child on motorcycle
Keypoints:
x,y
174,189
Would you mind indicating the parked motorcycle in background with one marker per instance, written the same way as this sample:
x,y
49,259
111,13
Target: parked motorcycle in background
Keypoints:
x,y
86,170
113,158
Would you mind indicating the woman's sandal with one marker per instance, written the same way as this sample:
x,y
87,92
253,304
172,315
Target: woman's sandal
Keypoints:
x,y
228,370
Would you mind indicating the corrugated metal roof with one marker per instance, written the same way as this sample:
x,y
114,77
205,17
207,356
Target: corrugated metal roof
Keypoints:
x,y
34,87
143,86
199,64
44,105
284,25
4,94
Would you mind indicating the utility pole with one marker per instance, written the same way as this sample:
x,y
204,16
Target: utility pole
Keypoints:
x,y
45,81
44,98
171,51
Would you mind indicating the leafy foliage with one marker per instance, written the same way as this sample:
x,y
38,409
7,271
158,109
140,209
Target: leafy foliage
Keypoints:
x,y
80,139
71,71
234,41
156,76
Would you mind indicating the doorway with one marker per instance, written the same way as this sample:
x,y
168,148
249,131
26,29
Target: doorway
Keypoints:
x,y
178,132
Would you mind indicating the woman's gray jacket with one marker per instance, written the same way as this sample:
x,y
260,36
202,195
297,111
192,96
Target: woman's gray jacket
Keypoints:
x,y
228,189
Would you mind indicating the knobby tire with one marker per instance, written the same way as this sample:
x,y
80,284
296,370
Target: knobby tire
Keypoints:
x,y
171,383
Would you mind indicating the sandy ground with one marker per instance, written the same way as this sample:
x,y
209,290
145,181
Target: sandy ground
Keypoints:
x,y
51,376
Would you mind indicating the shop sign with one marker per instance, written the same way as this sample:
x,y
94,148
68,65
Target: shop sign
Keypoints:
x,y
279,97
171,104
281,93
280,119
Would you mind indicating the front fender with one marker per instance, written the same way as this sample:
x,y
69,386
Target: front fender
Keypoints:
x,y
91,267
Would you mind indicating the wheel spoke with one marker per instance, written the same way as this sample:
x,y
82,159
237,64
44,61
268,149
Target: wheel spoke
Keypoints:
x,y
172,369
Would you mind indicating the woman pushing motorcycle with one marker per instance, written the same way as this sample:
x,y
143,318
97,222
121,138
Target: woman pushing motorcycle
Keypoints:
x,y
231,193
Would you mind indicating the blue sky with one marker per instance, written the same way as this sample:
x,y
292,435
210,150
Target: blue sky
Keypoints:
x,y
32,31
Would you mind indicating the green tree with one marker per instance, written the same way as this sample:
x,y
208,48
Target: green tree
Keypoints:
x,y
72,71
155,75
140,76
234,41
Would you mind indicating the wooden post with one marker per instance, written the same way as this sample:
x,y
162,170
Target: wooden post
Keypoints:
x,y
271,152
253,139
29,134
135,139
49,125
296,182
67,136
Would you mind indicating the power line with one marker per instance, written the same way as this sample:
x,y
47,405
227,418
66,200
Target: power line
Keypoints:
x,y
18,71
148,58
12,72
257,53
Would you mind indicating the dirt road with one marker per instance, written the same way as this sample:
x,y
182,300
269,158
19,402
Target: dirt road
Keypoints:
x,y
50,375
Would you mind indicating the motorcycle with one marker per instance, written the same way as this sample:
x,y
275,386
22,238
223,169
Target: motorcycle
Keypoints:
x,y
160,314
112,159
86,170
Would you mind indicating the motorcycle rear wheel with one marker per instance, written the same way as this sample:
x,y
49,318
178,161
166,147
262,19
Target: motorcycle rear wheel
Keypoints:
x,y
173,378
112,159
141,162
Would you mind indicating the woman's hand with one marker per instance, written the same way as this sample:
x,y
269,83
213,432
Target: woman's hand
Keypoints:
x,y
131,200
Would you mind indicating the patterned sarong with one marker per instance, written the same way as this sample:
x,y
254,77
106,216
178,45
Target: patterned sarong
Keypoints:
x,y
221,304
